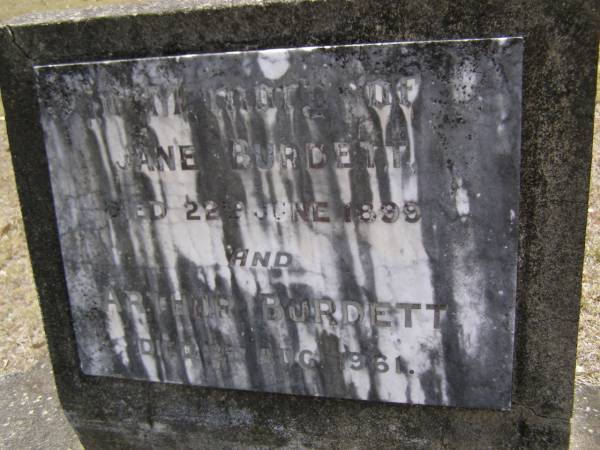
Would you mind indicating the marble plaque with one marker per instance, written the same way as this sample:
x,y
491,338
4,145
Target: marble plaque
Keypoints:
x,y
324,221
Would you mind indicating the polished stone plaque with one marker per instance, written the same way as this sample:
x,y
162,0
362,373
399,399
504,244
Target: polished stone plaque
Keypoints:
x,y
325,221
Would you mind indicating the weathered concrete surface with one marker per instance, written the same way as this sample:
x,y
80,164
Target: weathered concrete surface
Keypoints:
x,y
561,42
31,416
585,425
30,413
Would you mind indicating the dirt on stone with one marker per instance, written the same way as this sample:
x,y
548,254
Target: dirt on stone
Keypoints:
x,y
22,340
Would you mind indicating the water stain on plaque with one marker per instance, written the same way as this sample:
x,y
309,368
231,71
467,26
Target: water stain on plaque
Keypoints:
x,y
336,222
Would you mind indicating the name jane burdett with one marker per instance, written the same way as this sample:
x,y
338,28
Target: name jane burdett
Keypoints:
x,y
242,155
321,311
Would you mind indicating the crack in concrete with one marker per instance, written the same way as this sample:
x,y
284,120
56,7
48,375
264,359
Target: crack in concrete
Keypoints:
x,y
538,415
17,44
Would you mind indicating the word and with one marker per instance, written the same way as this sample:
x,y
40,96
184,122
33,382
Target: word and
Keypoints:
x,y
240,257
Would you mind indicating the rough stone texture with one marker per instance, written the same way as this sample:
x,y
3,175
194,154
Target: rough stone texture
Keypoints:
x,y
31,416
30,413
585,432
561,42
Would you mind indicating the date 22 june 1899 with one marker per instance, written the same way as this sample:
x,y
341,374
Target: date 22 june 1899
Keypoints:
x,y
315,211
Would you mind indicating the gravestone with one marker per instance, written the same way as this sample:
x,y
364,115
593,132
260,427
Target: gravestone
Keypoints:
x,y
294,220
294,224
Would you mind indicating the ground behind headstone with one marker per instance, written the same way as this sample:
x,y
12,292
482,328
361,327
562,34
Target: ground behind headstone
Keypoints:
x,y
30,413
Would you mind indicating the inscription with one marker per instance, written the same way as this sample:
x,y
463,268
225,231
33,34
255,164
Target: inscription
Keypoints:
x,y
318,212
335,222
241,256
348,312
342,155
380,314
